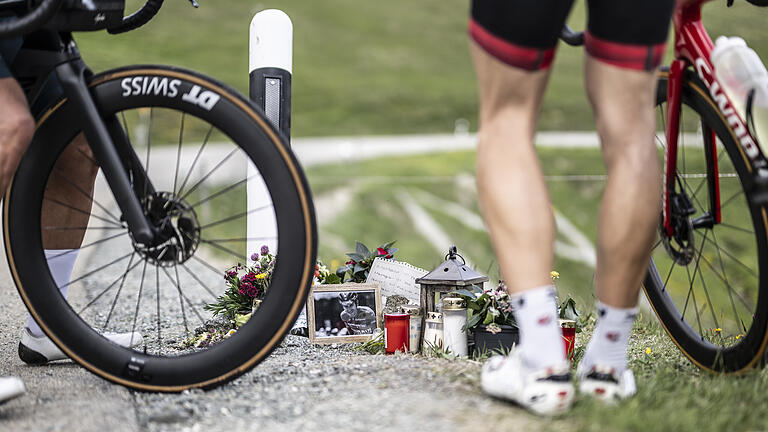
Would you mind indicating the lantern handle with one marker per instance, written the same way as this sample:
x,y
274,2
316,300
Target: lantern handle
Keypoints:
x,y
453,253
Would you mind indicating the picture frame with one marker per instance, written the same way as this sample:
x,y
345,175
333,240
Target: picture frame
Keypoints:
x,y
343,313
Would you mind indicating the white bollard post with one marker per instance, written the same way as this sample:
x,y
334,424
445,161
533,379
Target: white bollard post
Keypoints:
x,y
270,66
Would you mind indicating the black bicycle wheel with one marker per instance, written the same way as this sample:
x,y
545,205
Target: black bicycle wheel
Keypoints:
x,y
705,283
222,184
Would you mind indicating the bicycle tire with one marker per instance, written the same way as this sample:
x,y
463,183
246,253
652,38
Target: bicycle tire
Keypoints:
x,y
710,339
258,141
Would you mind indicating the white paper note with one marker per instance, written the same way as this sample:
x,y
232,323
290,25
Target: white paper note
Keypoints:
x,y
396,277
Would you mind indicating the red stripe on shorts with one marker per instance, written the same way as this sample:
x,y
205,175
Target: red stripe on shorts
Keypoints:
x,y
627,56
531,59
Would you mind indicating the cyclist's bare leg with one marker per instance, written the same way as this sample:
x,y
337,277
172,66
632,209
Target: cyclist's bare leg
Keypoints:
x,y
510,183
623,101
68,196
16,129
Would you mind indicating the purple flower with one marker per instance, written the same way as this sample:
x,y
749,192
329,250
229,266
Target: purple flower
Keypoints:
x,y
264,250
255,257
230,274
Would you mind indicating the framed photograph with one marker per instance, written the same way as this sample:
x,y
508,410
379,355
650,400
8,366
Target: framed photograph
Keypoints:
x,y
343,313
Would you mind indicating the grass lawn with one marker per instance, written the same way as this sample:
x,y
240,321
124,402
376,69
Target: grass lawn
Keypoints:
x,y
368,67
672,395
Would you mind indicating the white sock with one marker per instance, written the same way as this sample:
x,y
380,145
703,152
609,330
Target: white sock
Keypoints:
x,y
541,340
608,346
60,263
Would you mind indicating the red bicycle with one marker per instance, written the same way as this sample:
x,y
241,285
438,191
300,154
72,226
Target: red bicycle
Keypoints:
x,y
704,280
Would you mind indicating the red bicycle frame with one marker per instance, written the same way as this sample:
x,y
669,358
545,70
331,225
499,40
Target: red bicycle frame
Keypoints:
x,y
693,47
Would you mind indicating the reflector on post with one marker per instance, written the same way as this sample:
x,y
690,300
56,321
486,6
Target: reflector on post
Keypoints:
x,y
270,66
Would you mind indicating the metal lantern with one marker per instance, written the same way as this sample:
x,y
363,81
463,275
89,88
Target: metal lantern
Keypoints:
x,y
448,277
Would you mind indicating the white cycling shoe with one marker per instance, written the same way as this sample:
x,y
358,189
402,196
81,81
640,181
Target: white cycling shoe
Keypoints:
x,y
546,391
41,350
605,384
10,388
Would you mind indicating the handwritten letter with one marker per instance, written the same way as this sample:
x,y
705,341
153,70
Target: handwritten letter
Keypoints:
x,y
396,278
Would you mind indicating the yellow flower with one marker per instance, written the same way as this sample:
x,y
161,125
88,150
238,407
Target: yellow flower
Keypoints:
x,y
717,330
648,351
739,336
554,275
261,276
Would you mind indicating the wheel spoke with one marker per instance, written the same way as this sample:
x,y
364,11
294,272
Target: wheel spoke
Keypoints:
x,y
233,217
222,191
94,243
725,281
206,265
78,210
178,153
215,168
119,290
728,201
189,303
138,301
666,281
225,249
194,161
729,255
752,233
181,301
728,285
59,173
121,277
194,276
157,301
65,228
98,269
240,239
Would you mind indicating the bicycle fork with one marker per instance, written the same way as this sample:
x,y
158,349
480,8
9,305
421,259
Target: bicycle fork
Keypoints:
x,y
677,204
71,75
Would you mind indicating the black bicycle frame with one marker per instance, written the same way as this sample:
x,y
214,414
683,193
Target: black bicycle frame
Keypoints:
x,y
72,74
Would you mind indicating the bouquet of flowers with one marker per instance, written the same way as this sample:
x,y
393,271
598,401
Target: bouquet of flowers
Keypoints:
x,y
324,276
245,283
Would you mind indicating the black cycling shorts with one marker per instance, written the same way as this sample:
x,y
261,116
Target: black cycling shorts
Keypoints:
x,y
523,33
8,50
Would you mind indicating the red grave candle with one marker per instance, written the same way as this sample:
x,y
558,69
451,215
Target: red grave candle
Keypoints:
x,y
569,337
396,336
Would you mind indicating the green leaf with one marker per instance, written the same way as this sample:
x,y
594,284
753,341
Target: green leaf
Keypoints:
x,y
471,322
488,318
388,245
356,256
466,293
362,249
474,320
333,279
